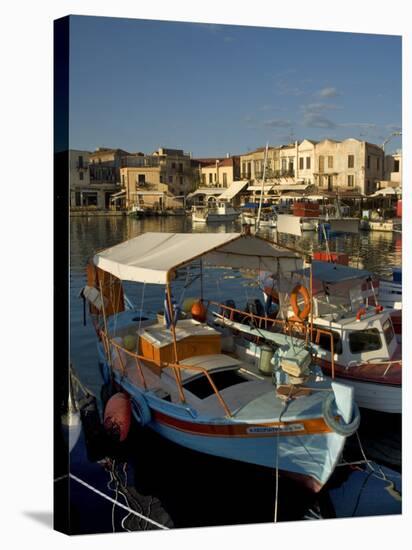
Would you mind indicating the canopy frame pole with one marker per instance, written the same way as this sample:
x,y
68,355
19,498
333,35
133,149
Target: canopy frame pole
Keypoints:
x,y
311,296
201,280
109,359
173,331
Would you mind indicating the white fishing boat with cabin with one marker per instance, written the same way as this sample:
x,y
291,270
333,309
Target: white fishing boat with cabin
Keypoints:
x,y
186,383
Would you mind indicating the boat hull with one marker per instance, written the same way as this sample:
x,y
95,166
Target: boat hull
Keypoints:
x,y
312,469
305,450
215,218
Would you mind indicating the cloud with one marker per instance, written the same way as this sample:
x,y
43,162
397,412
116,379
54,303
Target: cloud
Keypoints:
x,y
278,123
361,125
314,120
287,88
328,92
316,108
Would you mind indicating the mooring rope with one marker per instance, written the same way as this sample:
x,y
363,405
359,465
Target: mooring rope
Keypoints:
x,y
141,516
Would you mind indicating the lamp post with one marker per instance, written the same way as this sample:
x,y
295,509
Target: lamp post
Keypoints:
x,y
387,140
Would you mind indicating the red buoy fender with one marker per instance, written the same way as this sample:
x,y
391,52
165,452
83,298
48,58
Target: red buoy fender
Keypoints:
x,y
117,416
301,314
199,312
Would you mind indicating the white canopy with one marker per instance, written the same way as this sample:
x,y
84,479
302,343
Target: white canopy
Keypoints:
x,y
387,191
149,258
233,190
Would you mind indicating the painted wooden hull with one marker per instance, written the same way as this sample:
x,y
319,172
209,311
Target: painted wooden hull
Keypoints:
x,y
306,450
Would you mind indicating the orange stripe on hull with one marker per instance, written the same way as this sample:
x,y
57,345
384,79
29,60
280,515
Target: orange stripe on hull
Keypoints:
x,y
297,427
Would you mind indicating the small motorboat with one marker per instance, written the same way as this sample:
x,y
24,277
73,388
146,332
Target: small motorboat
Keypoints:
x,y
185,380
218,213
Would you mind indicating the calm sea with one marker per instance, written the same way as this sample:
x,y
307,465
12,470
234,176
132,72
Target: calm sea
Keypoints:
x,y
173,485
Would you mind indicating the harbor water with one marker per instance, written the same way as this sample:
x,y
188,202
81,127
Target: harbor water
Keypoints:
x,y
180,488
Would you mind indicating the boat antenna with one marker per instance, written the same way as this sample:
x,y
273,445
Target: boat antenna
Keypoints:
x,y
262,188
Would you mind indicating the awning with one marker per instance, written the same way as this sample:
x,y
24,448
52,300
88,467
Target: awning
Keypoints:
x,y
151,257
387,191
266,187
330,273
233,190
145,193
117,196
205,191
291,187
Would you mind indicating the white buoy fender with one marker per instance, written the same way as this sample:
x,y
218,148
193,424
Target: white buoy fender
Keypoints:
x,y
346,429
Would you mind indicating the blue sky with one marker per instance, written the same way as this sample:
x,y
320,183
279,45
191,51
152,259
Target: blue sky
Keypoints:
x,y
217,89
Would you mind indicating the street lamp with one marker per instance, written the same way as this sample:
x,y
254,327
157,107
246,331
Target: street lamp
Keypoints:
x,y
387,140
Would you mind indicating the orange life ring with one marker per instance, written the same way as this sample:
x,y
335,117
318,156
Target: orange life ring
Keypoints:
x,y
300,314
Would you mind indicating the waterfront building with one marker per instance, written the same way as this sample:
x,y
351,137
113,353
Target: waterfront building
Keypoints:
x,y
348,165
220,172
167,171
393,170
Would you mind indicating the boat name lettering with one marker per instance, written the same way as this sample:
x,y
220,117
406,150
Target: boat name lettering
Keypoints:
x,y
274,429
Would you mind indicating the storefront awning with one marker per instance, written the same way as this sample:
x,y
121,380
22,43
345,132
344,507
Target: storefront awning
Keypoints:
x,y
233,190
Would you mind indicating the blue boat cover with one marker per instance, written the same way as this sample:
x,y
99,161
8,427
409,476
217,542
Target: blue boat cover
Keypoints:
x,y
327,272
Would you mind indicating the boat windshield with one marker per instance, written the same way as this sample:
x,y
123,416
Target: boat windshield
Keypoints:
x,y
365,340
388,331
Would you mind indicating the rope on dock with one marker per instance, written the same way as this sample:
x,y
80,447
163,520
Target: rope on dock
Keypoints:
x,y
141,516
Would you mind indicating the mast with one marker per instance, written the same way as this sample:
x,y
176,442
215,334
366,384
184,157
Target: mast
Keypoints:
x,y
263,187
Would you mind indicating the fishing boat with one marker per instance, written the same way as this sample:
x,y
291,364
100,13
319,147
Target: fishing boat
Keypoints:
x,y
267,218
217,213
362,342
137,211
186,381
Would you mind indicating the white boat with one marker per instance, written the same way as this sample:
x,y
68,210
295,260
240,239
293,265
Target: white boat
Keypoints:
x,y
267,219
221,212
187,386
309,224
389,225
366,353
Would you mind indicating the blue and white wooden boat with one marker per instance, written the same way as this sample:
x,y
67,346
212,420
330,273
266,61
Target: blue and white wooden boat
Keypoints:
x,y
188,387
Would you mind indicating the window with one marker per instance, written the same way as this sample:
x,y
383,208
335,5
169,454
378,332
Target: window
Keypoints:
x,y
365,340
301,165
161,178
141,179
351,180
173,165
181,180
324,342
351,161
369,161
388,331
378,163
203,179
80,161
307,163
210,178
330,162
123,179
244,169
283,165
170,179
396,165
181,166
321,163
225,179
81,176
214,176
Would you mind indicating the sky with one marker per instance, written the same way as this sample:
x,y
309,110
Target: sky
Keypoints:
x,y
213,90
